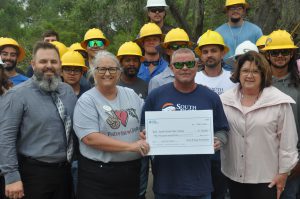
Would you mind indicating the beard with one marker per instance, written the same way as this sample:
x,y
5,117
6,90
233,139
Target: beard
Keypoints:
x,y
235,20
11,67
212,64
131,71
48,84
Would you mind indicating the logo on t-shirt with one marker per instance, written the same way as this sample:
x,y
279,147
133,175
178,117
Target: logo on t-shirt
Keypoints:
x,y
168,107
118,117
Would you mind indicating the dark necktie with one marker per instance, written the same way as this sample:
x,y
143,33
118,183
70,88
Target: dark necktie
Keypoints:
x,y
67,123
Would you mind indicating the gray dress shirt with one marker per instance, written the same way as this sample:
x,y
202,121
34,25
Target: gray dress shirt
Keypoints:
x,y
31,126
163,78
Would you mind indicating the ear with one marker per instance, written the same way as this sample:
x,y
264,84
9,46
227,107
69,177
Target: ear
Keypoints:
x,y
32,62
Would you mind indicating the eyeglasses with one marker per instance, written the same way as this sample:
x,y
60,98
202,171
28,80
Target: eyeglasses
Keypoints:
x,y
233,8
70,70
92,43
156,9
177,46
253,72
275,53
111,70
148,63
180,65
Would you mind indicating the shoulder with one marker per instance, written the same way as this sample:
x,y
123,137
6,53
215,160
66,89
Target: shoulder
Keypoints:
x,y
23,87
252,25
221,28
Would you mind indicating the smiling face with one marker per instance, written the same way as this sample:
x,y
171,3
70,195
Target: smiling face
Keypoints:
x,y
46,65
9,56
107,73
250,76
185,75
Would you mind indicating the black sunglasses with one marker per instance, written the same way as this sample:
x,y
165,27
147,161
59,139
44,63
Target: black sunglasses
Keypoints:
x,y
156,9
154,63
275,53
180,65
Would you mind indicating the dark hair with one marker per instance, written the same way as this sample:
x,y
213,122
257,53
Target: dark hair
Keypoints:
x,y
43,45
5,83
50,33
261,63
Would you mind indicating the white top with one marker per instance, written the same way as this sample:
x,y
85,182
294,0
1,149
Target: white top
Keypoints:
x,y
218,84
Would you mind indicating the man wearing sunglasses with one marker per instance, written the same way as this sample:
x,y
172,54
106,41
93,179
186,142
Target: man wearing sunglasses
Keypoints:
x,y
150,37
280,51
211,50
156,11
185,176
175,39
237,30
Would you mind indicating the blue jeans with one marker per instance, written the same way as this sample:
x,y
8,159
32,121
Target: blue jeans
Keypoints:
x,y
291,189
166,196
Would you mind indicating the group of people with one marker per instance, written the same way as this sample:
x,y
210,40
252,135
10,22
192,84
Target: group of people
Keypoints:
x,y
73,125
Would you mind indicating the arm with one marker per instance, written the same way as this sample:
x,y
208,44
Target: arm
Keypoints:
x,y
288,154
10,119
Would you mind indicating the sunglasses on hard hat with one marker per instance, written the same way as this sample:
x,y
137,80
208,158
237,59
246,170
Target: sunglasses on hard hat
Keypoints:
x,y
177,46
97,43
275,53
156,9
148,63
180,65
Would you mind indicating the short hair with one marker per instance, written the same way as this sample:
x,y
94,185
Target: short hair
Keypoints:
x,y
182,51
50,33
43,45
261,63
102,54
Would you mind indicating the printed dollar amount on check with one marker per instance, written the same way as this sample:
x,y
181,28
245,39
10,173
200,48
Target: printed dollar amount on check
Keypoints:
x,y
179,132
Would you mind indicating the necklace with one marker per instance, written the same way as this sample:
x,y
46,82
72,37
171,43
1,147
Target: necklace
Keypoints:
x,y
254,98
235,37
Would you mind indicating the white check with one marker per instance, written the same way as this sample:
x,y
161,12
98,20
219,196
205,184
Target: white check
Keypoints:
x,y
180,132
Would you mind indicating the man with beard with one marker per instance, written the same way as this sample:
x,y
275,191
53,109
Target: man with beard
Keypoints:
x,y
11,52
237,30
280,51
211,50
130,57
156,12
150,37
35,142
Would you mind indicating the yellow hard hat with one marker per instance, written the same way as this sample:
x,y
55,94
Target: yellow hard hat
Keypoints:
x,y
149,29
261,41
94,33
130,48
62,48
210,37
9,41
279,39
76,47
234,2
73,58
174,35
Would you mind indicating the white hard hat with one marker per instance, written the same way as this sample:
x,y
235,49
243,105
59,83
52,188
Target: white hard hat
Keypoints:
x,y
244,47
156,3
241,49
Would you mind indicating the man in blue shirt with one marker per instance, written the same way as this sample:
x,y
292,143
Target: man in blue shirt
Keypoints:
x,y
11,52
185,176
237,30
150,37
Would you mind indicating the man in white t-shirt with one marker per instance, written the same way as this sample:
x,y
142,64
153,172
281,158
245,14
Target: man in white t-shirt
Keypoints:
x,y
211,49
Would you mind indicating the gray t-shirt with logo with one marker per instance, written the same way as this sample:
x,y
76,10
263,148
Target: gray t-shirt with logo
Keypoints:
x,y
118,118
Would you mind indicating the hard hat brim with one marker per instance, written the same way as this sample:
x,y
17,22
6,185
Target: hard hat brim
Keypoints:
x,y
198,51
266,48
85,68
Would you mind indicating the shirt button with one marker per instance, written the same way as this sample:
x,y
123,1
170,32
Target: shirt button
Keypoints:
x,y
240,176
242,156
